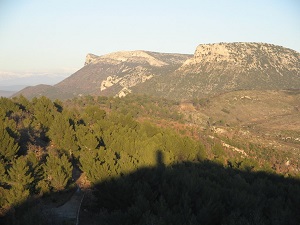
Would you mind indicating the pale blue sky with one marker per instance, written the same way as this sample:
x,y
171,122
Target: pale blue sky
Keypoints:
x,y
54,36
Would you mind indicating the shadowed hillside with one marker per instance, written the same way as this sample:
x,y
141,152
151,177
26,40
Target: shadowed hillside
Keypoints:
x,y
184,193
194,193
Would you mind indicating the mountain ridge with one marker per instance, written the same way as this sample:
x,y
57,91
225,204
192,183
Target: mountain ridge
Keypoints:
x,y
157,59
213,68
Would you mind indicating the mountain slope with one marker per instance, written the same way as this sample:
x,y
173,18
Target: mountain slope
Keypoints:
x,y
115,74
41,90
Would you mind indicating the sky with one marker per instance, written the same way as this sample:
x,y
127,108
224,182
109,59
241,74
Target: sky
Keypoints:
x,y
52,37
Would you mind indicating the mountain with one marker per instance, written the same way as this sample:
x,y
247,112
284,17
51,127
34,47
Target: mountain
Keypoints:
x,y
116,73
42,90
223,67
111,75
214,68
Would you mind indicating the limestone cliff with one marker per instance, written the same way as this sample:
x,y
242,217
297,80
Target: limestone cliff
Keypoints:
x,y
244,57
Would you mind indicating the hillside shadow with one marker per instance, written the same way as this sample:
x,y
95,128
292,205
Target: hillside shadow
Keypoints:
x,y
192,193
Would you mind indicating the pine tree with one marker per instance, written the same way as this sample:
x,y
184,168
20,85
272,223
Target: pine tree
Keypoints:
x,y
36,168
93,114
7,107
86,138
57,171
44,112
62,134
8,147
90,163
19,179
23,102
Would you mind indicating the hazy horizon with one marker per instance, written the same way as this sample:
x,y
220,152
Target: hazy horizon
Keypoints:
x,y
46,38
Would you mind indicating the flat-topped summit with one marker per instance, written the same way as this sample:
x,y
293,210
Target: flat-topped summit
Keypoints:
x,y
246,55
138,57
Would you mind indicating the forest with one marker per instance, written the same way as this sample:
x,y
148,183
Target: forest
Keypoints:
x,y
139,168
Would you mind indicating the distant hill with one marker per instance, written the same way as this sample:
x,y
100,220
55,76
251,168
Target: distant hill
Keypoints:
x,y
6,93
213,69
42,90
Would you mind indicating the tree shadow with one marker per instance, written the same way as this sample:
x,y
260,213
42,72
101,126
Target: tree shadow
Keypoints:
x,y
192,193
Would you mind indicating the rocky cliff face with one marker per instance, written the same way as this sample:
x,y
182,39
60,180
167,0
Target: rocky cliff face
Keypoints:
x,y
90,58
243,57
213,69
138,57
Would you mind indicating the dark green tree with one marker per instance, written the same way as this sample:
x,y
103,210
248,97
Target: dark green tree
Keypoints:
x,y
23,103
90,164
62,134
44,112
7,107
57,171
36,167
19,179
86,138
93,114
8,146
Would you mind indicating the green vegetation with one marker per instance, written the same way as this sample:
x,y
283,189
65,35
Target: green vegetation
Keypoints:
x,y
141,173
58,170
197,193
9,147
19,179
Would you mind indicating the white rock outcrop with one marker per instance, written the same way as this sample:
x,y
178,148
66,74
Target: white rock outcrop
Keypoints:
x,y
109,81
141,57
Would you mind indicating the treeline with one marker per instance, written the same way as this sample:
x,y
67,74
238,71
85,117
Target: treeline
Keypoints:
x,y
135,105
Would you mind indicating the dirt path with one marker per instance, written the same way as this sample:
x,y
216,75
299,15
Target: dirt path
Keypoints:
x,y
68,213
